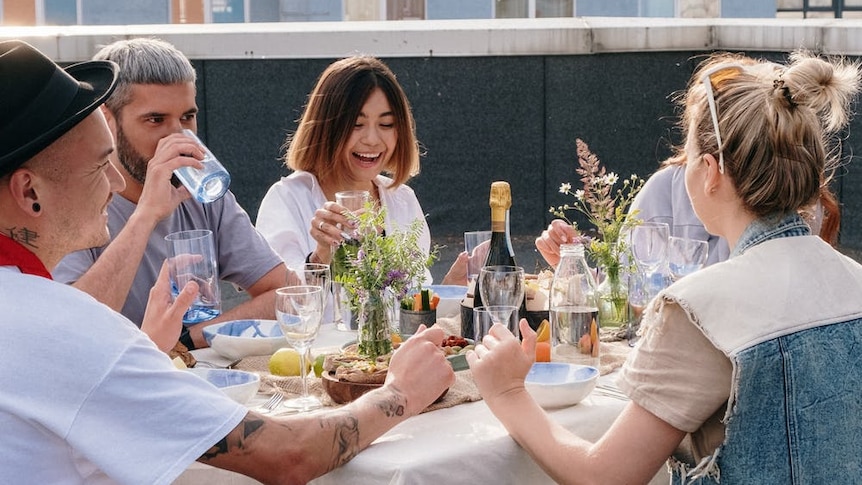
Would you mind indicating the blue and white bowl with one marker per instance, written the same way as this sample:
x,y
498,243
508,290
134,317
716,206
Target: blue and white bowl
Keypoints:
x,y
235,384
241,338
558,384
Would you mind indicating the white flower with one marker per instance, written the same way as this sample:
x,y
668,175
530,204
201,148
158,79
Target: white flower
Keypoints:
x,y
579,194
611,178
565,188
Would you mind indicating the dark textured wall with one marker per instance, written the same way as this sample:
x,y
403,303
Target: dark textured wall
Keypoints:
x,y
481,119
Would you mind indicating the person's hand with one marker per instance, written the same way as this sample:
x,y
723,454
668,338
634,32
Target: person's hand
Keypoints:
x,y
457,274
500,363
330,226
558,232
163,318
159,198
419,369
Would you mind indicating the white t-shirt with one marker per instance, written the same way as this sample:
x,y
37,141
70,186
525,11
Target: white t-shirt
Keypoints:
x,y
285,214
86,397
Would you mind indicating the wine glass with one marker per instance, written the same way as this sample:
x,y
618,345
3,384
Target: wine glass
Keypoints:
x,y
312,274
299,310
649,245
685,256
501,286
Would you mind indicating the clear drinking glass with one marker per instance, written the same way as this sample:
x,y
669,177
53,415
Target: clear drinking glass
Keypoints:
x,y
192,257
299,310
352,200
501,286
685,256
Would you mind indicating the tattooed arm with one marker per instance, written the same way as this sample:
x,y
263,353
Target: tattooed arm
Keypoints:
x,y
296,449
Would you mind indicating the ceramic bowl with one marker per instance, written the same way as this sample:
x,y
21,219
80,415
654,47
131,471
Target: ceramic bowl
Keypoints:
x,y
450,299
557,384
236,384
344,392
241,338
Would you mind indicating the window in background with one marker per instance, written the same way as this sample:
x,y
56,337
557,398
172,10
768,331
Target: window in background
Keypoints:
x,y
519,9
362,10
405,9
312,10
227,11
812,9
59,12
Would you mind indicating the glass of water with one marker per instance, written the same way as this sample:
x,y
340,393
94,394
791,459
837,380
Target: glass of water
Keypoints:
x,y
191,257
209,183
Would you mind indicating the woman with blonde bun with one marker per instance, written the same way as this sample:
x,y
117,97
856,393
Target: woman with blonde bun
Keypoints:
x,y
748,370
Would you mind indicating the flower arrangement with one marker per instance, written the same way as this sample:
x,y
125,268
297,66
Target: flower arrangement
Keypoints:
x,y
377,269
607,210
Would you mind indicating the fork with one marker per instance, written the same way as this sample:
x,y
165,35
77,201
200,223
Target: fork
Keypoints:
x,y
273,403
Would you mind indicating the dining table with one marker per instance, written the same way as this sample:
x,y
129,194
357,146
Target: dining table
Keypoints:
x,y
464,443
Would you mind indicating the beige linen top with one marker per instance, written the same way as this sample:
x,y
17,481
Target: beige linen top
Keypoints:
x,y
678,375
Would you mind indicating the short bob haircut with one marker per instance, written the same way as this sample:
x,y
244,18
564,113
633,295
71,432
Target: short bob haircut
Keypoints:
x,y
332,110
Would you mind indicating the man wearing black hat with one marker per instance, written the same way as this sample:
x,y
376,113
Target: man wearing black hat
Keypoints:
x,y
86,397
153,102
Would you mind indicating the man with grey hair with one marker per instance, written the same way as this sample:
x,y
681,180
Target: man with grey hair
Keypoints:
x,y
153,102
108,406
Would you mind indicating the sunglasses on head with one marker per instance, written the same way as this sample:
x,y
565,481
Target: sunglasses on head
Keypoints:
x,y
718,74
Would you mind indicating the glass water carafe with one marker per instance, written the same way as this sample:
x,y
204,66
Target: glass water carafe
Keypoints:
x,y
574,310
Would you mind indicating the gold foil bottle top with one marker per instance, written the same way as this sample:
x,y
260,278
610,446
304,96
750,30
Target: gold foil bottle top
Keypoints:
x,y
501,195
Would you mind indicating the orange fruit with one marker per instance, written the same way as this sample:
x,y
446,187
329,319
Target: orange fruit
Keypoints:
x,y
396,339
543,333
543,351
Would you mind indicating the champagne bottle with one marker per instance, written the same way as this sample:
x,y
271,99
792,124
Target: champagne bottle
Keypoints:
x,y
500,251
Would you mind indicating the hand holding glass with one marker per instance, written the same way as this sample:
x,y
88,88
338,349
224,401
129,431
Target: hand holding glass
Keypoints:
x,y
209,183
191,257
299,310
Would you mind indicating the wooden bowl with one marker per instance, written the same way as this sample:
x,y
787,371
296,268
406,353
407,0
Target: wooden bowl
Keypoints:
x,y
343,392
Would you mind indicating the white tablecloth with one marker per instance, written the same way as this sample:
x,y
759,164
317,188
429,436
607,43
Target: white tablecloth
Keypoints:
x,y
462,444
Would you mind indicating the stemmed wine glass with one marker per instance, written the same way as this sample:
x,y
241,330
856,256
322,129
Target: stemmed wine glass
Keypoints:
x,y
501,287
313,274
299,310
649,246
685,256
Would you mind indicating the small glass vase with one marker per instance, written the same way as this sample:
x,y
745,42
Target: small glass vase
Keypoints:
x,y
613,301
374,320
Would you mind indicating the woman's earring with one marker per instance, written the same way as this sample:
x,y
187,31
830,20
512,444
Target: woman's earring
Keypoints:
x,y
36,207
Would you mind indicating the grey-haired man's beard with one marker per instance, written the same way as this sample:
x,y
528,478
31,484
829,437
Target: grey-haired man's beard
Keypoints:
x,y
130,159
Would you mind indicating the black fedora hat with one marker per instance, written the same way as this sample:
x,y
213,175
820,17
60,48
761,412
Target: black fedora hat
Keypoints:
x,y
39,101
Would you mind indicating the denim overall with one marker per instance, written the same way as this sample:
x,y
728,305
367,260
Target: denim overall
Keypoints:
x,y
787,311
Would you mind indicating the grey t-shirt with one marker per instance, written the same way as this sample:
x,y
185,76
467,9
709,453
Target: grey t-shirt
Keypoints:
x,y
244,256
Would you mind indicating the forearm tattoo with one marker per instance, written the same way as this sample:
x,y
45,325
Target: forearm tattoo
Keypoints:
x,y
235,440
345,440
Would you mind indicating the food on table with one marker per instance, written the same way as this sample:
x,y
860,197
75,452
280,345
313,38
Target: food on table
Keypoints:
x,y
543,333
350,366
285,362
421,301
536,290
182,352
589,344
543,351
455,345
179,364
318,365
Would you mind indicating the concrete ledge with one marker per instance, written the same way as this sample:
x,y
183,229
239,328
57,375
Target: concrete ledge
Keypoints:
x,y
459,38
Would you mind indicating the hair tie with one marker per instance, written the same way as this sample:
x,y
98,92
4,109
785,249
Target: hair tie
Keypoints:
x,y
779,84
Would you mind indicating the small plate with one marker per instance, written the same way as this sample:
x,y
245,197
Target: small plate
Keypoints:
x,y
236,384
241,338
557,384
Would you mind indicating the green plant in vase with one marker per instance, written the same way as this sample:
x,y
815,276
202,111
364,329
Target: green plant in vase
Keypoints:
x,y
377,270
606,208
